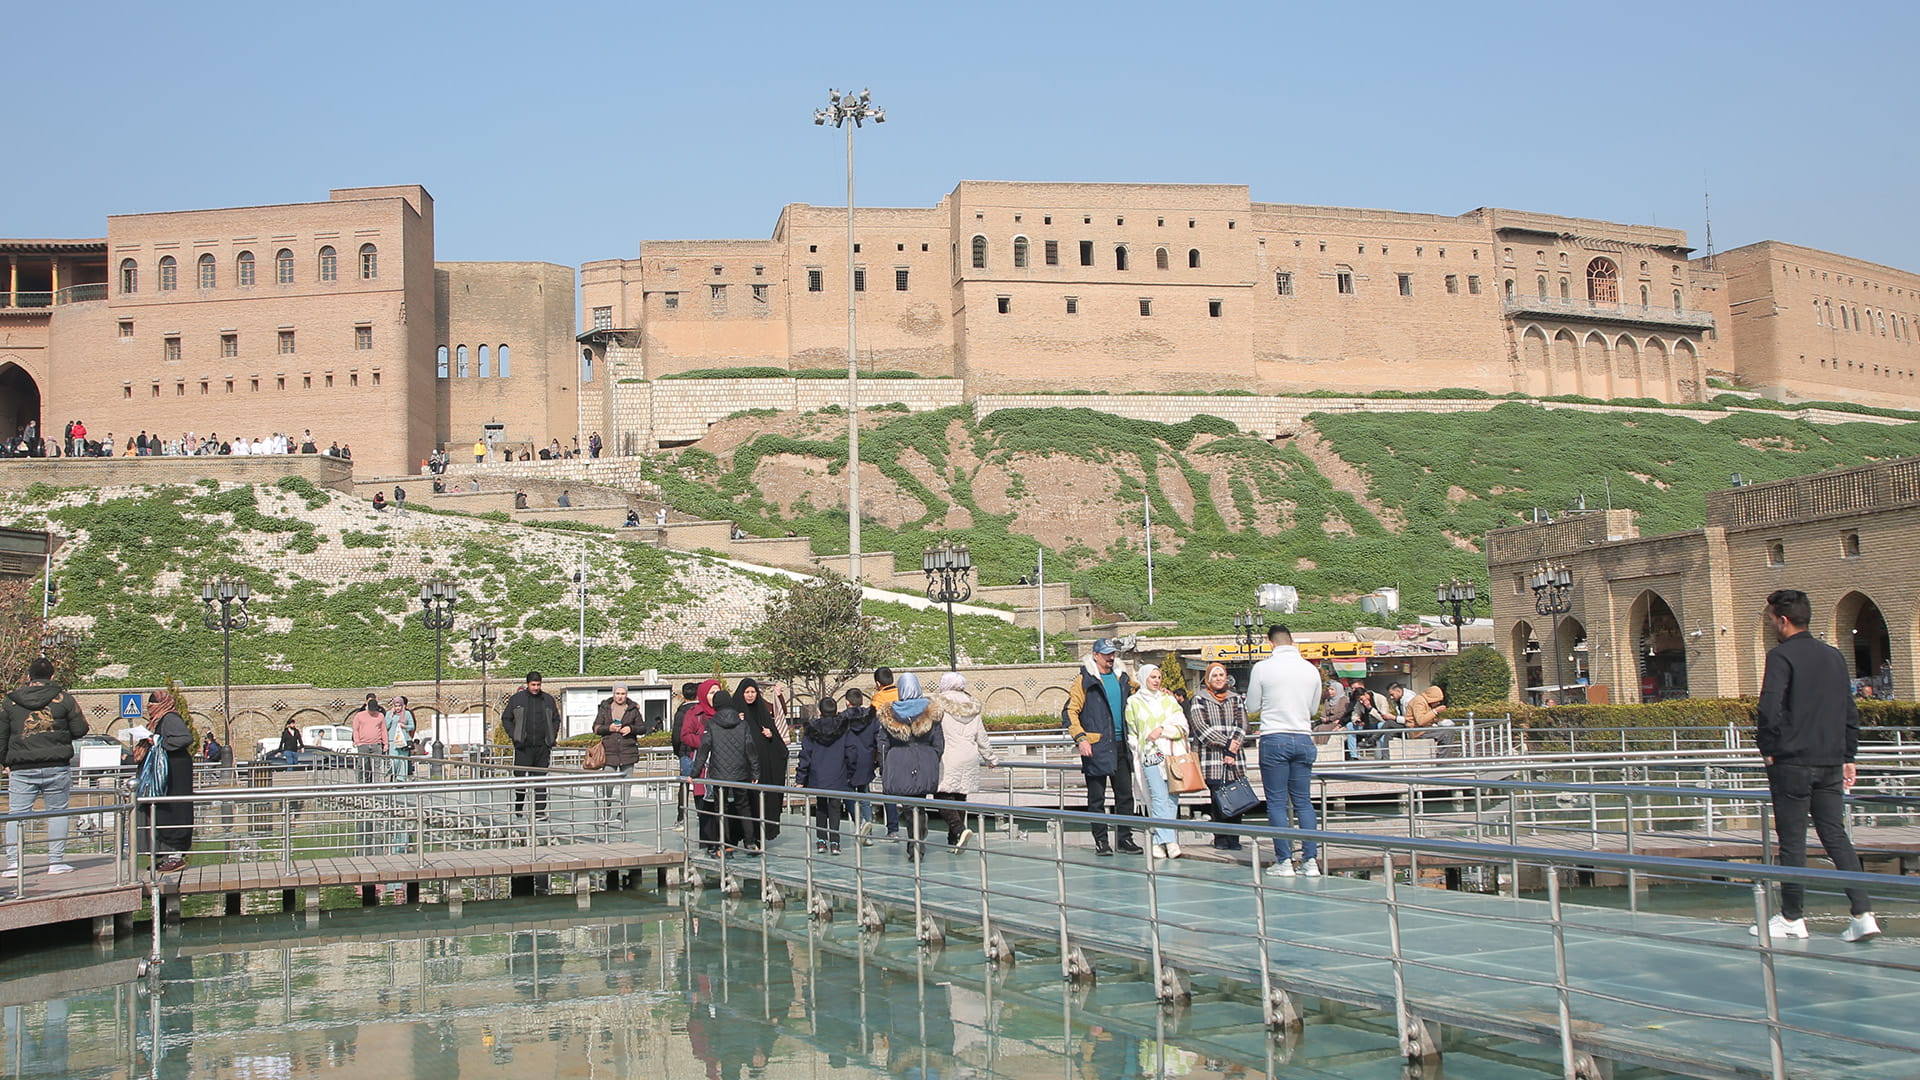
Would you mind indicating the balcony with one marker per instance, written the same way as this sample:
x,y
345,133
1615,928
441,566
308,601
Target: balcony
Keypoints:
x,y
1603,312
33,301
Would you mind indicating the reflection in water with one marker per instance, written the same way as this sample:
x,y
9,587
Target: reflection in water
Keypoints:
x,y
716,990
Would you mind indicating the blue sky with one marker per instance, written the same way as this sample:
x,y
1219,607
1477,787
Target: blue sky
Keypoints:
x,y
572,131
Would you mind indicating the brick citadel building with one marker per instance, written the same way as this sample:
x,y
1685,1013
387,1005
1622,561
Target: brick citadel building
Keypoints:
x,y
335,316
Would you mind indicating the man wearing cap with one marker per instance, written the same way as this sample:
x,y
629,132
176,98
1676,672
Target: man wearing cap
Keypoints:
x,y
1096,719
618,722
39,724
532,723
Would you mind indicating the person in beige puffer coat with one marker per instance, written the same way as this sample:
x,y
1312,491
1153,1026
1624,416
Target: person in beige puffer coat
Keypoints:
x,y
966,748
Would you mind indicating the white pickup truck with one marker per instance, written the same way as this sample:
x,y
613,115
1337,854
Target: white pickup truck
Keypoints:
x,y
336,737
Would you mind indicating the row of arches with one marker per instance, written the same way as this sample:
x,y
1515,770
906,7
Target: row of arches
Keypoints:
x,y
1023,255
1593,365
246,269
455,362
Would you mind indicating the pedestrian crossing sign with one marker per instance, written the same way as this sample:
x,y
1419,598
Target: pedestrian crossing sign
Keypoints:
x,y
131,707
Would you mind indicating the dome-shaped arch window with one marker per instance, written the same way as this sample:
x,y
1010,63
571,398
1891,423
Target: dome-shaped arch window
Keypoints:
x,y
1646,298
369,262
1120,256
283,267
129,277
1019,253
460,362
209,275
1603,282
979,253
329,264
1509,288
169,274
504,362
1160,258
1193,258
440,362
1542,282
243,269
486,363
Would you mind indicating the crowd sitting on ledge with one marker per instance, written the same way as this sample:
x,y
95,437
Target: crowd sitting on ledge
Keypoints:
x,y
29,443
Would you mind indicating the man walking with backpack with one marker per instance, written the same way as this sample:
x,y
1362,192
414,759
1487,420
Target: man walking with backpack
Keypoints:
x,y
38,727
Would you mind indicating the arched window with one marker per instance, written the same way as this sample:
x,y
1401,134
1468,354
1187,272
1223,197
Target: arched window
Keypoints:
x,y
1120,257
1676,299
243,269
1566,289
1509,288
1542,281
169,274
1159,258
129,277
207,272
460,362
506,357
369,262
1193,258
283,267
486,363
586,365
1019,253
1646,298
979,253
440,362
1603,282
329,264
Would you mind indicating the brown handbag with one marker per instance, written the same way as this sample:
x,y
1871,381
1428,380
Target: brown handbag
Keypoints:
x,y
1183,774
596,757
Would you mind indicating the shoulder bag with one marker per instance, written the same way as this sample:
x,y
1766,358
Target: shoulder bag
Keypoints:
x,y
1236,796
596,757
1183,773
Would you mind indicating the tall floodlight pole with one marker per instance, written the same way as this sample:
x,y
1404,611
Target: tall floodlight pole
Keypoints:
x,y
1146,501
857,108
580,587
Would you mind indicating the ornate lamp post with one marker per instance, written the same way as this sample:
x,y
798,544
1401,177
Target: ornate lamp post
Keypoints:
x,y
226,603
1459,594
436,614
857,108
1246,628
949,568
483,640
1552,585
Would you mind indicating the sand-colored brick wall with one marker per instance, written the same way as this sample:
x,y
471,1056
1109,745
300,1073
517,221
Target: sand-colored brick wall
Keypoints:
x,y
526,309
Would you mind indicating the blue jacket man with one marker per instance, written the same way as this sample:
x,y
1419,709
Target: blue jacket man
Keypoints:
x,y
1096,719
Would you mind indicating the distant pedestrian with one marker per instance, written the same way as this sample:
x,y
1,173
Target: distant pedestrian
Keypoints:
x,y
863,733
1283,691
826,764
400,729
564,499
379,500
39,725
1808,735
169,824
290,738
911,747
400,500
966,749
693,735
479,451
726,754
369,723
1218,720
1096,721
618,721
532,723
684,744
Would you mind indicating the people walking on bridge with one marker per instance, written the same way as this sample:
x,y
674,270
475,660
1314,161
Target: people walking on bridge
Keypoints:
x,y
727,755
369,723
693,735
826,764
911,747
1218,723
682,751
966,750
768,726
885,693
39,724
1283,692
863,732
617,721
170,824
1157,730
532,723
1096,720
400,729
1808,734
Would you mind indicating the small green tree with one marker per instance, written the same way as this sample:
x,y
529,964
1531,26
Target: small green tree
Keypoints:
x,y
1172,679
815,637
1478,676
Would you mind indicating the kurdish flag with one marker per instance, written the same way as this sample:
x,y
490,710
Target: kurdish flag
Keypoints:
x,y
1350,669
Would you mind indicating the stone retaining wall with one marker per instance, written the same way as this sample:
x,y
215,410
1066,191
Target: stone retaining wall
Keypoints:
x,y
19,473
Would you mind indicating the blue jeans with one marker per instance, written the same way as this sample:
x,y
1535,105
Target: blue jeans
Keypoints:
x,y
1160,801
1286,775
52,784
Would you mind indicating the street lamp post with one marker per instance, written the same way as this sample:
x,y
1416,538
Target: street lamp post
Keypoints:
x,y
949,568
436,614
226,603
1458,594
1246,628
1552,585
483,641
849,111
580,587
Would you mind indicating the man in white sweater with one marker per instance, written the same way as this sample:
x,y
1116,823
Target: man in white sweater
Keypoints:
x,y
1283,694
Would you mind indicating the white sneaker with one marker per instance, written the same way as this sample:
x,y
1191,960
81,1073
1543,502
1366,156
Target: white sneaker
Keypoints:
x,y
965,835
1782,927
866,827
1861,928
63,868
1310,868
1173,851
1283,868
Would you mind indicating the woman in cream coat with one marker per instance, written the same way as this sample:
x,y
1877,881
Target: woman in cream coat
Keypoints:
x,y
1157,727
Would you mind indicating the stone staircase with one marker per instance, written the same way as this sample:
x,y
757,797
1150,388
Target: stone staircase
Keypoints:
x,y
595,502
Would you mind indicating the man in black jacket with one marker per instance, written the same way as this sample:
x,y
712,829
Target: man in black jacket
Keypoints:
x,y
39,724
1808,734
532,720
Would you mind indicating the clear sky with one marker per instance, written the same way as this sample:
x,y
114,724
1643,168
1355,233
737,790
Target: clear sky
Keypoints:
x,y
573,131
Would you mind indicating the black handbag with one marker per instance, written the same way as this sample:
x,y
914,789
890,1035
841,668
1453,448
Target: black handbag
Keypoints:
x,y
1235,797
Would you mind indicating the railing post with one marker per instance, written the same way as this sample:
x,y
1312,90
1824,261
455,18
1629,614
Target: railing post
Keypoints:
x,y
1562,992
1060,897
1768,988
1403,1021
1633,875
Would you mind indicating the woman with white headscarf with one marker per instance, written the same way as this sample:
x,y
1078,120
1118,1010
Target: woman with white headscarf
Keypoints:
x,y
960,760
1157,729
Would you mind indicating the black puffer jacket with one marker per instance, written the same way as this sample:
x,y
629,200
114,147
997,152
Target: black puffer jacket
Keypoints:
x,y
727,751
910,752
39,726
